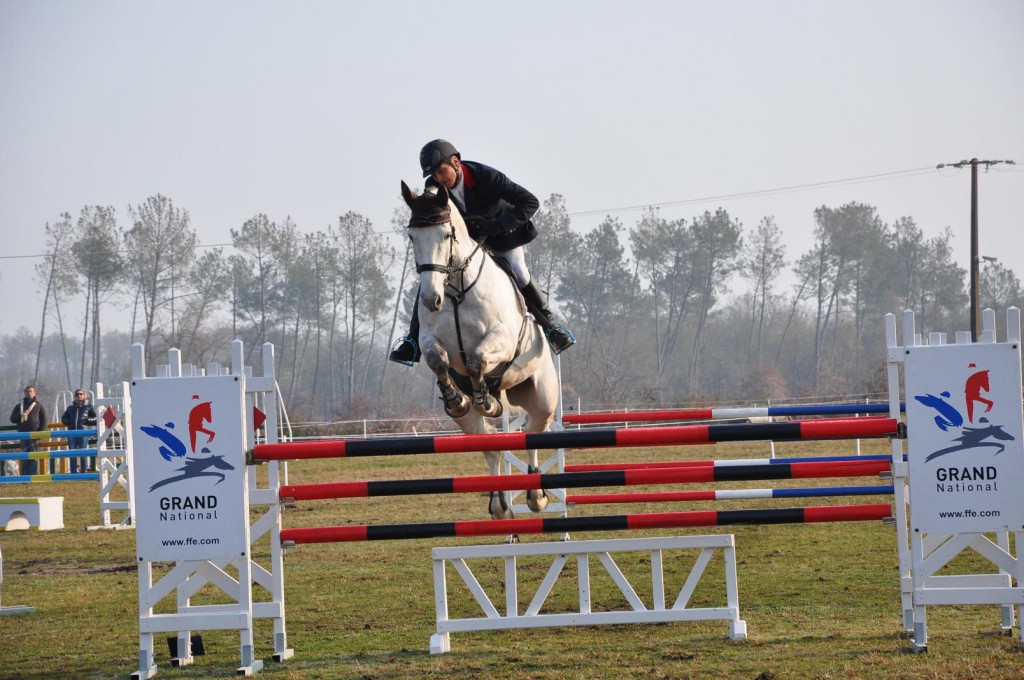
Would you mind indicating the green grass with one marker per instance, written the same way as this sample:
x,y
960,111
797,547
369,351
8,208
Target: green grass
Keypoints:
x,y
820,601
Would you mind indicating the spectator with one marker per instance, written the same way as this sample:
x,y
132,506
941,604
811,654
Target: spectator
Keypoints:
x,y
80,415
29,415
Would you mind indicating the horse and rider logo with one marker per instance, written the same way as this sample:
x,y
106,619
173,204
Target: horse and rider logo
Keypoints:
x,y
949,418
172,448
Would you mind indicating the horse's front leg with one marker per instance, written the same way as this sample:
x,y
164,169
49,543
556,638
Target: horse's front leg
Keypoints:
x,y
497,347
456,404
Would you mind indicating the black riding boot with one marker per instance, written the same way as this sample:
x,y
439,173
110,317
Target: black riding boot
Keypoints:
x,y
559,336
407,348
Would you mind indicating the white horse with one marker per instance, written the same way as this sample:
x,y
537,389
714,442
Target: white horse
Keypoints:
x,y
474,330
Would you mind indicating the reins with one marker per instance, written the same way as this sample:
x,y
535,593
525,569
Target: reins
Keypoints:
x,y
450,270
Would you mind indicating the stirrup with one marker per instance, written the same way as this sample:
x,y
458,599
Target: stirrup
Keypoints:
x,y
405,351
564,343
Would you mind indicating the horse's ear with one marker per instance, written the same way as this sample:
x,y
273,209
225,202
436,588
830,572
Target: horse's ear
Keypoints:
x,y
408,194
441,197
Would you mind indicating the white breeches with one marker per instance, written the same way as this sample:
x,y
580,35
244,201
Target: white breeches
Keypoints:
x,y
517,261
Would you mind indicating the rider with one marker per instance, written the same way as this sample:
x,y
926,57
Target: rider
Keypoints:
x,y
496,208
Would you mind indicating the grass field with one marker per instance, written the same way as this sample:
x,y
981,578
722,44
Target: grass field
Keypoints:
x,y
820,601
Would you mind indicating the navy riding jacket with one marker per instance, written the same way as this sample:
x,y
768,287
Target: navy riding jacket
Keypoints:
x,y
490,193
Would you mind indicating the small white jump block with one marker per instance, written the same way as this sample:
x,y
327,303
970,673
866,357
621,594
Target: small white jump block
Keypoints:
x,y
44,513
656,611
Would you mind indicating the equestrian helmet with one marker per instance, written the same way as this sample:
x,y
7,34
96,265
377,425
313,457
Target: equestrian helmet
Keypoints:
x,y
434,153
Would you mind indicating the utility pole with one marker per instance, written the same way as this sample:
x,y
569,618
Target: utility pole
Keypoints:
x,y
975,257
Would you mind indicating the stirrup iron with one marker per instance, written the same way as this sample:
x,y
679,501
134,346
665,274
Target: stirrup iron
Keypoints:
x,y
566,330
398,344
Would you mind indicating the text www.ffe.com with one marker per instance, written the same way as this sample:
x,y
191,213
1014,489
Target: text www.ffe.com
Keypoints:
x,y
191,541
969,513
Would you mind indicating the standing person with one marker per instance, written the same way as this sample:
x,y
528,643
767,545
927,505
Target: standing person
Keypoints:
x,y
80,415
29,415
496,208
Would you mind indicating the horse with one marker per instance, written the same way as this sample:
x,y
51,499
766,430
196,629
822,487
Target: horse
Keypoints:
x,y
475,330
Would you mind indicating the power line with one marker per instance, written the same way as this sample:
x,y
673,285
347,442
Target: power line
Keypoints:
x,y
765,192
897,174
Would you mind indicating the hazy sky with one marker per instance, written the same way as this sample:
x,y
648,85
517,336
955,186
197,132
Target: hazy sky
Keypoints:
x,y
314,109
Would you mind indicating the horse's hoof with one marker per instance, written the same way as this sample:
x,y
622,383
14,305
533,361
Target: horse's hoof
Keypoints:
x,y
491,408
537,500
457,410
456,404
514,538
498,508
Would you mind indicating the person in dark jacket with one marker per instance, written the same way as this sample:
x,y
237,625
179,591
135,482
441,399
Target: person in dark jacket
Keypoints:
x,y
29,415
80,415
496,209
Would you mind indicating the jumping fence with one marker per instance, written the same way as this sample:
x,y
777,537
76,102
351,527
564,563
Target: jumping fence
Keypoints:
x,y
928,537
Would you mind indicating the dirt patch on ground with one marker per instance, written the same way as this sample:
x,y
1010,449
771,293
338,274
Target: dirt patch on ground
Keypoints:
x,y
45,568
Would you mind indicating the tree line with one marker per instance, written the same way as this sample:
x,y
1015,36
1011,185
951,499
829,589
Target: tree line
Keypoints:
x,y
666,311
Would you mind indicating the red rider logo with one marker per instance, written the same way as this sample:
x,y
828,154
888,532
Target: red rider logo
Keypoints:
x,y
972,392
202,413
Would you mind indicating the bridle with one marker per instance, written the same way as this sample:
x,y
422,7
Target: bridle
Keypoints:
x,y
457,293
450,269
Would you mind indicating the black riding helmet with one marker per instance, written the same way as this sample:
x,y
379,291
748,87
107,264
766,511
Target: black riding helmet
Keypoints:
x,y
434,153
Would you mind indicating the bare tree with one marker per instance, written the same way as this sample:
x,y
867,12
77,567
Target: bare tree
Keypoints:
x,y
257,278
207,280
762,262
99,261
58,281
160,249
718,239
399,218
665,253
364,261
547,255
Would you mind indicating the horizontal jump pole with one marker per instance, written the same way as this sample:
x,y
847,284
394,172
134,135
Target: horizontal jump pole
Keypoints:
x,y
661,520
39,479
727,494
46,434
487,483
44,455
839,428
722,413
593,467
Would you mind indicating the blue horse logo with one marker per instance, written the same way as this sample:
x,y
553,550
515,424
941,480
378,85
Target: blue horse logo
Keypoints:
x,y
195,468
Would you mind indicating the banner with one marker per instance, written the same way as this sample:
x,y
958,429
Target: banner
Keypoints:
x,y
188,468
964,425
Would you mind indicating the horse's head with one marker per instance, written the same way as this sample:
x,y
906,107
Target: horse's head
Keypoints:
x,y
435,229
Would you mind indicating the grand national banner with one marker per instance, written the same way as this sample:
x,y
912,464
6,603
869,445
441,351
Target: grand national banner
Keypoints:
x,y
188,466
964,423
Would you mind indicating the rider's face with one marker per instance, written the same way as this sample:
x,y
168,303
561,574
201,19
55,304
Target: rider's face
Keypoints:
x,y
446,175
